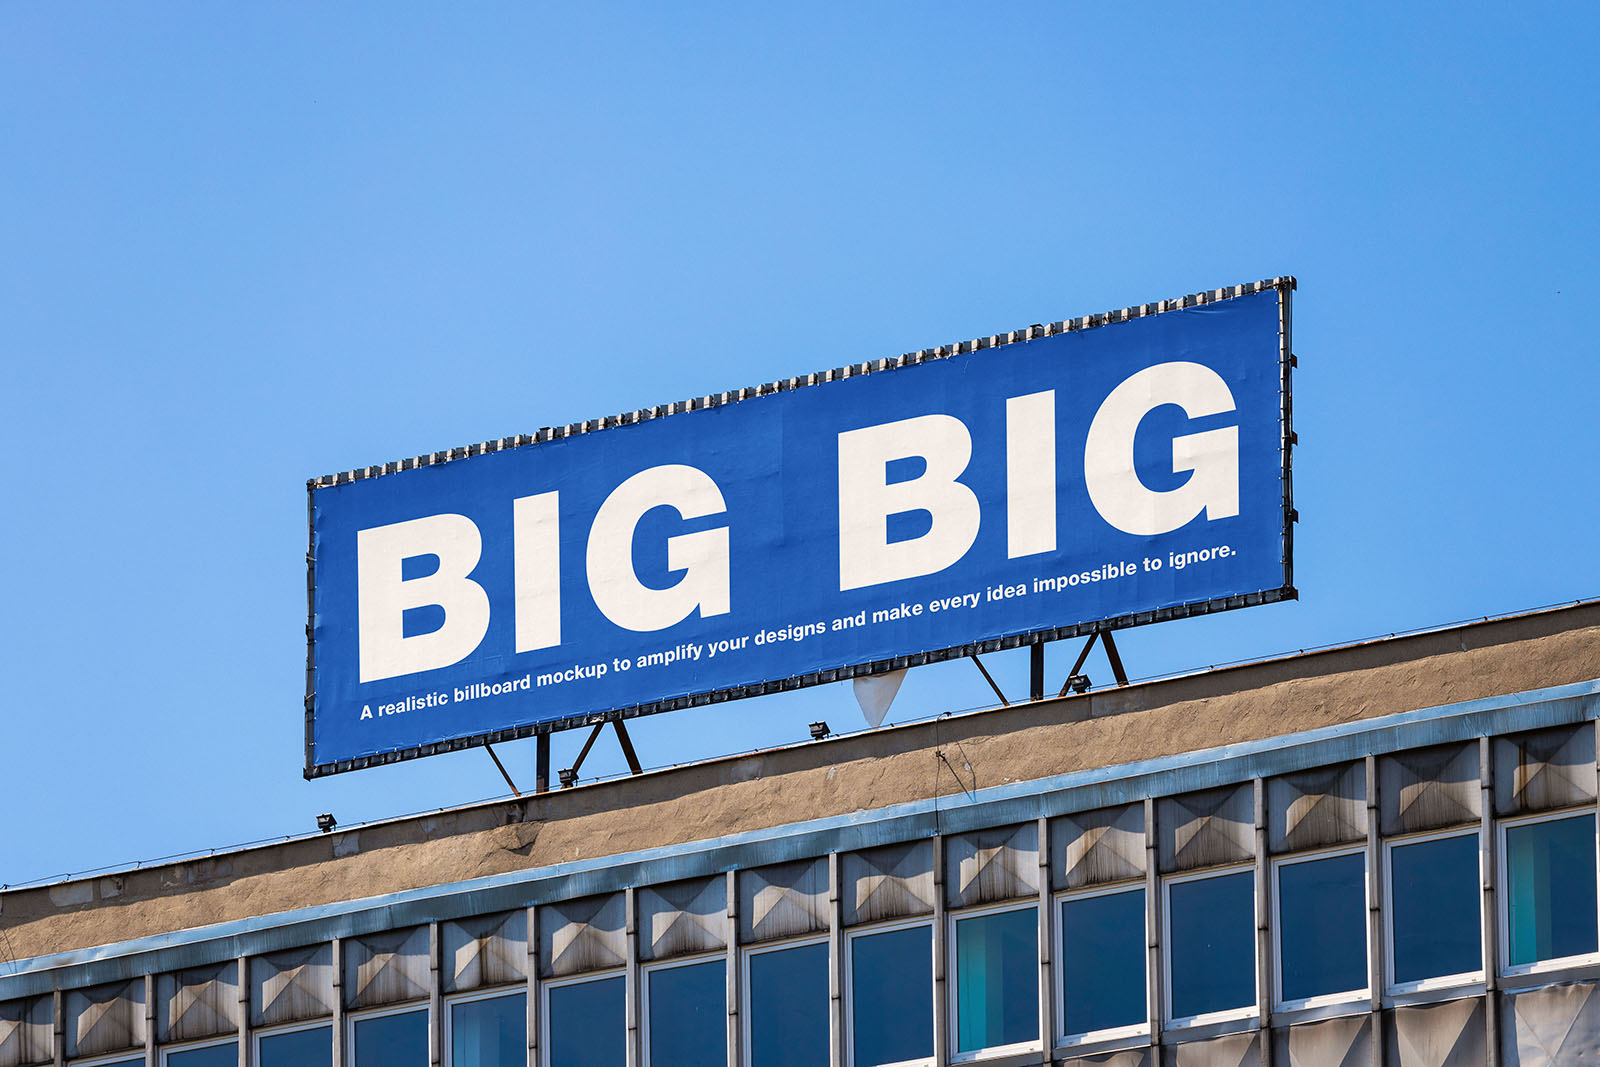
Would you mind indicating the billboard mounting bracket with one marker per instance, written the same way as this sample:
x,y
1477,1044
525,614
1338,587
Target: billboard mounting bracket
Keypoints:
x,y
1112,656
569,775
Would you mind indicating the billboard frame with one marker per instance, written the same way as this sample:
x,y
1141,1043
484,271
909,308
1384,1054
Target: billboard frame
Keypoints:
x,y
1284,285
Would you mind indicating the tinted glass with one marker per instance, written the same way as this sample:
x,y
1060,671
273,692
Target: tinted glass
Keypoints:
x,y
490,1033
1322,926
1212,925
210,1056
891,990
392,1040
1436,910
1103,962
789,1007
1550,895
301,1048
997,979
587,1024
689,1015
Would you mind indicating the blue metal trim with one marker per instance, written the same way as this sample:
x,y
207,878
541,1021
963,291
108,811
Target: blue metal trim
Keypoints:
x,y
994,806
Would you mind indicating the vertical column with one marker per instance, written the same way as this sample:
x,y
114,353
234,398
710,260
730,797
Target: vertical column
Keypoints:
x,y
58,1032
1155,977
630,926
1047,925
941,994
1376,969
1264,925
836,962
435,998
534,1007
1488,865
150,1020
735,984
339,1043
246,1053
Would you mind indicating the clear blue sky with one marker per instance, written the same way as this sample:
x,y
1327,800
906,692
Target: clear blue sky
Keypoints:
x,y
242,245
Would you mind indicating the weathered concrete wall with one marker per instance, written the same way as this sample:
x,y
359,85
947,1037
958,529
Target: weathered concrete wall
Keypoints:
x,y
817,780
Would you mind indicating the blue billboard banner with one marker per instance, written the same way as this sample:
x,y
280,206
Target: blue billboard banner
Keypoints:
x,y
1090,474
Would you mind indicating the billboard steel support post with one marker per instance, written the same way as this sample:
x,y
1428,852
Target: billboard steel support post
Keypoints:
x,y
541,763
1036,671
986,677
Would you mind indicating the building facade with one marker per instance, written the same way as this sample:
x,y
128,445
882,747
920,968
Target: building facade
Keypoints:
x,y
1378,854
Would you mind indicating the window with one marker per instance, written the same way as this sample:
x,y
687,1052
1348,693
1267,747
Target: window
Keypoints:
x,y
786,1017
686,1013
225,1054
1321,929
1434,912
1549,890
396,1038
1103,956
996,981
586,1022
311,1047
488,1031
890,991
1210,933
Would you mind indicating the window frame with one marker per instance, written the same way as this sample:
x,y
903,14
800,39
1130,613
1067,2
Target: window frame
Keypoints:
x,y
655,966
1182,1022
745,952
195,1046
952,983
850,936
1391,988
289,1028
1503,894
1275,924
547,984
113,1059
353,1017
447,1025
1058,935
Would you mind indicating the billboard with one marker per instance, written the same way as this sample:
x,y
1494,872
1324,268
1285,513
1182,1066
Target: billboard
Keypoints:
x,y
1090,474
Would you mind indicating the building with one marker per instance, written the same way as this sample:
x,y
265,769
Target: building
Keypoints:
x,y
1383,853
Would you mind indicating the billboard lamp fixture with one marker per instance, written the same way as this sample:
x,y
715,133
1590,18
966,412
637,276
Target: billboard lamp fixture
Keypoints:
x,y
1078,683
326,822
819,730
569,777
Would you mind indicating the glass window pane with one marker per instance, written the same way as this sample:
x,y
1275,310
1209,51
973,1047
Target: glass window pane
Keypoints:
x,y
490,1033
1322,926
1436,908
1550,898
299,1048
689,1014
891,991
997,979
392,1040
1103,962
1212,923
210,1056
588,1024
789,1007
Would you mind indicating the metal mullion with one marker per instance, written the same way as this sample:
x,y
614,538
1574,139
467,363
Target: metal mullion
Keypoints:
x,y
435,998
941,995
631,988
338,1003
1488,867
1047,994
1266,994
58,1028
150,1020
246,1053
534,1020
836,964
736,1051
1155,974
1377,969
